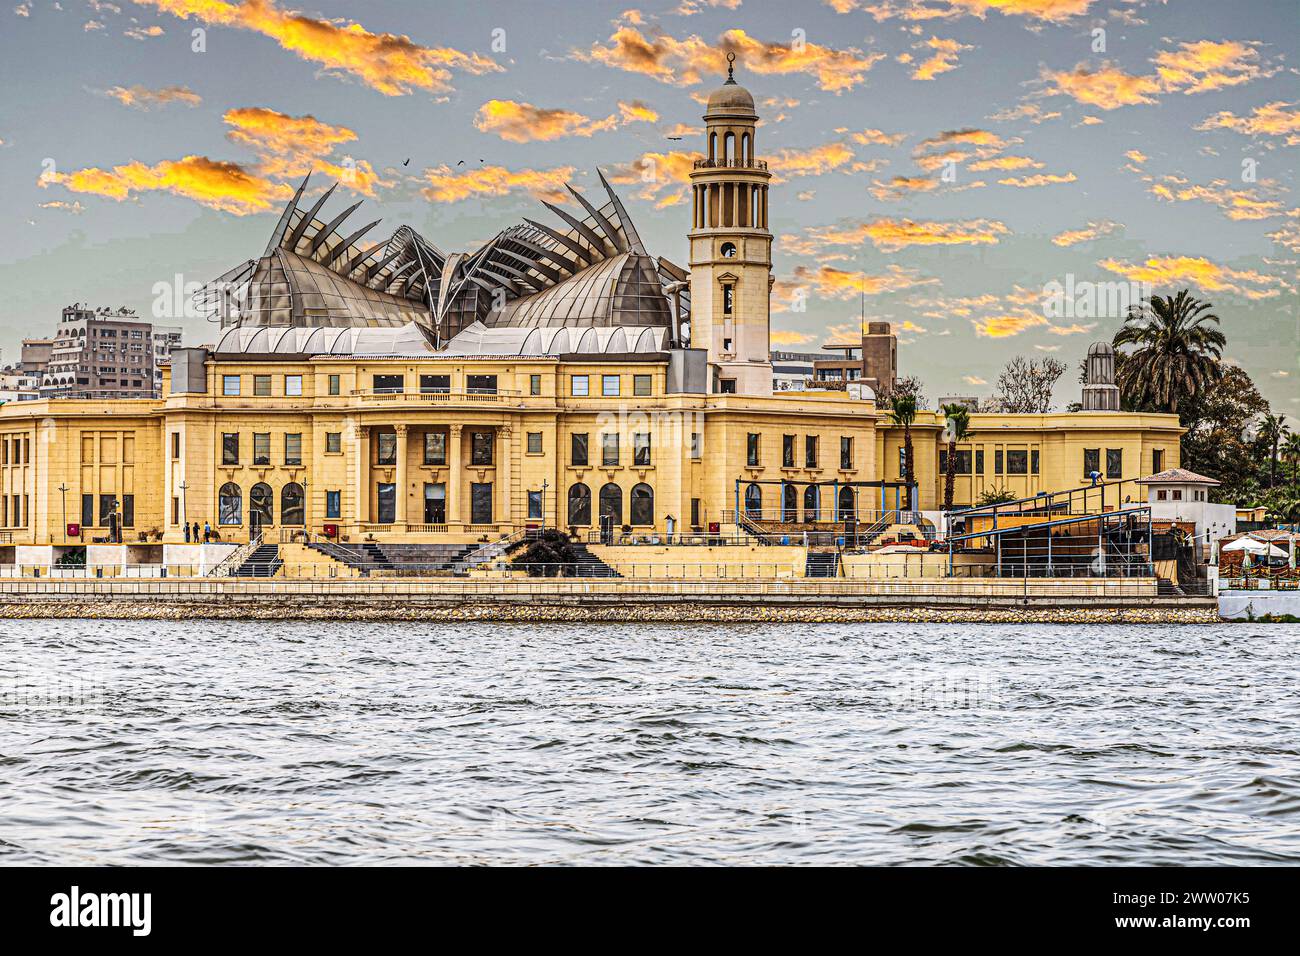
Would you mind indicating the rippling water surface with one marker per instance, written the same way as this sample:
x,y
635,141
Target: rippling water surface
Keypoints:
x,y
486,743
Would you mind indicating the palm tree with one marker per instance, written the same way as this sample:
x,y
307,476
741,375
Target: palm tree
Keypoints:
x,y
958,429
1177,351
903,412
1273,430
1291,452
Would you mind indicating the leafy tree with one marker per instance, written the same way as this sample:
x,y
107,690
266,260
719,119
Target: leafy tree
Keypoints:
x,y
958,430
1291,453
1272,431
1025,385
1218,441
903,412
995,496
1176,351
908,385
550,555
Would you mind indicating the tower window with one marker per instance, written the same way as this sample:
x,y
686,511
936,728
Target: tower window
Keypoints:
x,y
728,250
728,299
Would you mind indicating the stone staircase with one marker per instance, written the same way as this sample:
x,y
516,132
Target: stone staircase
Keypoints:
x,y
590,566
264,562
822,564
397,558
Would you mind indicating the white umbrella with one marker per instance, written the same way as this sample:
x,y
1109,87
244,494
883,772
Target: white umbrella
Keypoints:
x,y
1251,546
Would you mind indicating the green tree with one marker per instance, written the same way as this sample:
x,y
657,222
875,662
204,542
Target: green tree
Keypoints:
x,y
1217,442
958,430
903,412
1291,453
1176,351
1272,432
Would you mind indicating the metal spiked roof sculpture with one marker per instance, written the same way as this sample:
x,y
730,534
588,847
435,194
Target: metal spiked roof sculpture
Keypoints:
x,y
592,270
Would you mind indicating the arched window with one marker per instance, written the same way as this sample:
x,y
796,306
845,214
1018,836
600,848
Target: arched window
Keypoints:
x,y
643,505
745,154
729,147
611,503
579,504
261,505
790,503
291,504
753,501
230,504
812,503
848,504
713,146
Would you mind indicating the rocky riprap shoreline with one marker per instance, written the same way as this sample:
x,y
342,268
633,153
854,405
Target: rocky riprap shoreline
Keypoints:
x,y
282,609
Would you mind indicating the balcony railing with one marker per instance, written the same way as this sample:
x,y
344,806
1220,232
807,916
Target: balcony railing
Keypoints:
x,y
439,396
730,164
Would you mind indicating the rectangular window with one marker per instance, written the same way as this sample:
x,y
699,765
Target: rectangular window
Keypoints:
x,y
997,462
1162,495
609,450
534,505
641,449
335,384
810,451
902,461
641,384
388,385
333,443
176,445
1017,462
697,447
1033,462
979,461
480,448
751,449
481,384
480,502
386,448
695,512
176,510
1091,462
87,511
105,509
578,385
293,385
609,385
534,384
230,385
846,453
1178,494
534,443
578,449
230,448
435,448
386,512
261,385
333,504
728,299
128,511
293,448
261,448
1114,462
435,384
787,451
1157,460
963,461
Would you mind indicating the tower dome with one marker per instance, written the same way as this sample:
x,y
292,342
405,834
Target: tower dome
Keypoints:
x,y
731,99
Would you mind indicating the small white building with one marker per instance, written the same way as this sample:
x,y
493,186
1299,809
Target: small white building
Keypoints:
x,y
1176,494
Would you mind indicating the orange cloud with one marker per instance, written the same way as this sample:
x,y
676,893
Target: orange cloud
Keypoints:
x,y
1005,326
943,60
894,234
1005,163
843,284
289,147
901,186
445,184
386,62
686,62
1271,119
1173,271
228,187
1107,88
875,137
1042,179
787,337
812,161
636,112
1094,230
142,98
1050,10
655,172
523,122
1237,204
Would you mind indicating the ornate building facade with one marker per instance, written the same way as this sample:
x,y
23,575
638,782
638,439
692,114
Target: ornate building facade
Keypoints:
x,y
559,375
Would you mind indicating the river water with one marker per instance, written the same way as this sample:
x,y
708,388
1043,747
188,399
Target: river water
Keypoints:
x,y
238,743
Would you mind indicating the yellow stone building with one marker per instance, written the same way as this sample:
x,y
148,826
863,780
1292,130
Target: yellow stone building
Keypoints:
x,y
394,393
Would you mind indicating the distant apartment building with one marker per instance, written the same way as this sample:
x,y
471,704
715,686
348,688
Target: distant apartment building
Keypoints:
x,y
873,359
165,338
796,371
17,386
100,354
36,356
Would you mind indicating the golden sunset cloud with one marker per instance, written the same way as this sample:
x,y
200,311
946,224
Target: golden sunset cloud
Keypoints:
x,y
1272,119
446,184
1005,326
812,161
523,122
1041,179
386,62
289,147
143,98
636,112
943,60
1171,271
1093,230
228,187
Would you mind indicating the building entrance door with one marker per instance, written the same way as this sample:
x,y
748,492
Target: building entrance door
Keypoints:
x,y
435,503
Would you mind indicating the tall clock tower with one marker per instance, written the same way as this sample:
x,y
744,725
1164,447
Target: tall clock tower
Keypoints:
x,y
731,249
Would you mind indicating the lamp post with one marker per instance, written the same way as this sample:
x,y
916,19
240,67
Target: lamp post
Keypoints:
x,y
306,511
184,515
63,494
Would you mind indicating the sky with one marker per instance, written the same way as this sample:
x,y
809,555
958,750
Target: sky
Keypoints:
x,y
946,165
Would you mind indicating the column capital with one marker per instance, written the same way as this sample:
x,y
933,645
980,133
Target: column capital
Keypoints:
x,y
503,431
363,432
456,430
401,430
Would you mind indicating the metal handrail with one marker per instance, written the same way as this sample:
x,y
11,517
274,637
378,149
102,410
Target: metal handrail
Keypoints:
x,y
237,557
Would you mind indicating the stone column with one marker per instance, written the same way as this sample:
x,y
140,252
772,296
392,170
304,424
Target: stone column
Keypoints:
x,y
503,463
362,489
453,476
401,489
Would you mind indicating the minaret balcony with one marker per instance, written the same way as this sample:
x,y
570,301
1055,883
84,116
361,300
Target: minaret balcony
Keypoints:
x,y
731,164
